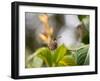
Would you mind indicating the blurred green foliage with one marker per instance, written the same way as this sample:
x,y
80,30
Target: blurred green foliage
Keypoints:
x,y
85,21
44,57
81,17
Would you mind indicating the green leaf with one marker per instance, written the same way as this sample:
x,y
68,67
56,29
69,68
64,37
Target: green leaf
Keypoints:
x,y
37,62
87,59
82,55
59,53
42,55
45,54
67,60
